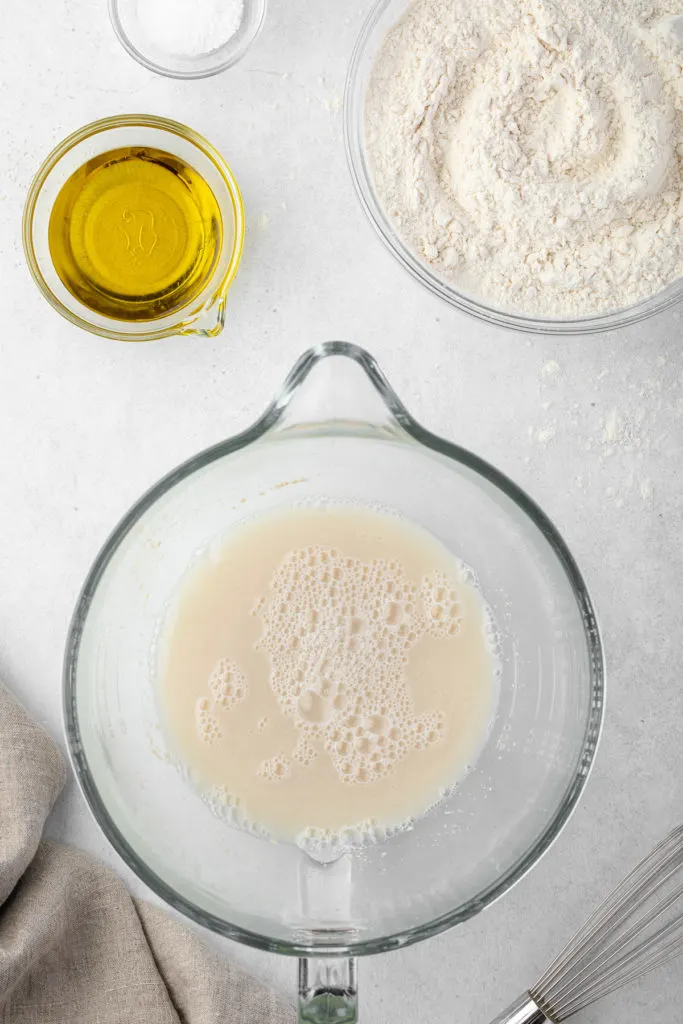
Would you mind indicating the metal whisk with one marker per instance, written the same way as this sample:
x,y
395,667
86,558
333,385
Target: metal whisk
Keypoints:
x,y
639,927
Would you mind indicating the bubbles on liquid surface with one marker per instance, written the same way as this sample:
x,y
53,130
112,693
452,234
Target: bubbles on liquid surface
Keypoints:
x,y
275,769
229,809
338,631
326,845
332,700
227,686
441,606
207,723
304,753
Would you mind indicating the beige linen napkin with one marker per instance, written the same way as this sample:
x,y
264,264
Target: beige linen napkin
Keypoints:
x,y
75,947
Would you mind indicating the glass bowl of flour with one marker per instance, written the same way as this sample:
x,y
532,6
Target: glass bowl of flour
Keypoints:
x,y
525,163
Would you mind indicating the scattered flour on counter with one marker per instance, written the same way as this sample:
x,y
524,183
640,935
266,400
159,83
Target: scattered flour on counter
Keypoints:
x,y
646,490
613,428
551,369
620,440
532,152
333,103
544,435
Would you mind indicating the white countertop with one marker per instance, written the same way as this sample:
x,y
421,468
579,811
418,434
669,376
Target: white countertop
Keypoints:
x,y
591,428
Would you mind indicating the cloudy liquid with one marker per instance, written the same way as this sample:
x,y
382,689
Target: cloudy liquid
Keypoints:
x,y
326,671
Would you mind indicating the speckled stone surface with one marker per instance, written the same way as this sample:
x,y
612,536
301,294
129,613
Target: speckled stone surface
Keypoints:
x,y
591,428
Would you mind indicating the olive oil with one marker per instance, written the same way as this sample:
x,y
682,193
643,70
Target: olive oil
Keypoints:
x,y
135,233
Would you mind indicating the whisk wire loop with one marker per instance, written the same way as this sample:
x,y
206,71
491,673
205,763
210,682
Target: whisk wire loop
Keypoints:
x,y
638,928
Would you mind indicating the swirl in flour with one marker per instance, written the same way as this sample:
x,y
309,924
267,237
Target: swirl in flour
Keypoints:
x,y
532,153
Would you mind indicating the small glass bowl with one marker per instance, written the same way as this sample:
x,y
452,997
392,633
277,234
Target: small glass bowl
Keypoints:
x,y
205,315
134,39
381,19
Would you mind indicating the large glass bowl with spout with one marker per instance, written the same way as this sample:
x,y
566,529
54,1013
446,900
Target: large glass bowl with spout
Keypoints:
x,y
337,431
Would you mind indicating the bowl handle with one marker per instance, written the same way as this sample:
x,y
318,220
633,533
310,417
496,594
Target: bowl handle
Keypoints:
x,y
338,383
327,990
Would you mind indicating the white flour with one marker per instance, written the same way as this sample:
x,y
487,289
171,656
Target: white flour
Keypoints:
x,y
532,152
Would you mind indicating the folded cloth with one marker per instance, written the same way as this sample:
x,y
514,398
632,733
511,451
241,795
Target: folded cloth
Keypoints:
x,y
75,947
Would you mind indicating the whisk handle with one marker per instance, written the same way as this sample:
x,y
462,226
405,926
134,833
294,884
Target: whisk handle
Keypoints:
x,y
523,1011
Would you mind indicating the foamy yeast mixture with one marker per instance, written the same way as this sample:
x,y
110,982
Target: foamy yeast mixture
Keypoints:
x,y
326,672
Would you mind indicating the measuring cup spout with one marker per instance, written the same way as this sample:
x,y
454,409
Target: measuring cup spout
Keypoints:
x,y
209,321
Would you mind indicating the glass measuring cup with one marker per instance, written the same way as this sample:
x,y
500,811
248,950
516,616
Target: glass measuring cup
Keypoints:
x,y
205,314
338,431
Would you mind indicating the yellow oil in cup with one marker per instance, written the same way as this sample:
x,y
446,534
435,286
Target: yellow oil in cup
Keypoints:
x,y
135,233
133,229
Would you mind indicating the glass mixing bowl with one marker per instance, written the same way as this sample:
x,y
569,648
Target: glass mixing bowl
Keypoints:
x,y
337,431
381,19
205,314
